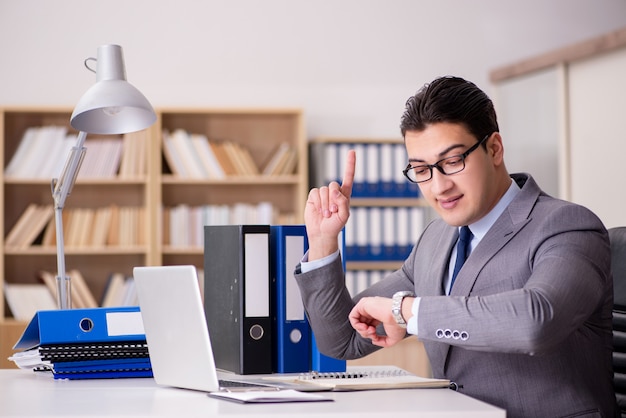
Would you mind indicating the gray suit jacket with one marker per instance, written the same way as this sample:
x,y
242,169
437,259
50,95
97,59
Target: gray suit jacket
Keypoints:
x,y
528,324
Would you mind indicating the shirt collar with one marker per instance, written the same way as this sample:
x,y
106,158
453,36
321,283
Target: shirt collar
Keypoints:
x,y
480,227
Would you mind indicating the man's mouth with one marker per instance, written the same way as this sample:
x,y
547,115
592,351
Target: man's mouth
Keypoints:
x,y
449,203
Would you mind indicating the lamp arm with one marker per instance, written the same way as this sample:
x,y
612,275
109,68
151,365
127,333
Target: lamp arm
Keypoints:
x,y
61,188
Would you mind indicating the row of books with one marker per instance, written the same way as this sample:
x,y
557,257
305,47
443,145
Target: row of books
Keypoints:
x,y
192,155
378,170
82,227
24,299
184,224
43,151
382,233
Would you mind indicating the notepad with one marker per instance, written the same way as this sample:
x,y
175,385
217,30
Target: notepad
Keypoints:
x,y
364,378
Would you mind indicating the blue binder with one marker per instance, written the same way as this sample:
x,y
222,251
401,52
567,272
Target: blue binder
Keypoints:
x,y
103,369
82,325
320,362
291,331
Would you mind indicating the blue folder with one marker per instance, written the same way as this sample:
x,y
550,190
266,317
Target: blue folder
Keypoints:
x,y
81,326
103,369
291,328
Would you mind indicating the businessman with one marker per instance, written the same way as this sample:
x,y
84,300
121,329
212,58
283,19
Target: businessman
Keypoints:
x,y
510,289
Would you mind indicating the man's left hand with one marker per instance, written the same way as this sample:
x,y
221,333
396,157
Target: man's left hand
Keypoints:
x,y
370,312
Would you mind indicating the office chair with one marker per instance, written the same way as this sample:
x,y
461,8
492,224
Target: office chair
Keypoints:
x,y
618,265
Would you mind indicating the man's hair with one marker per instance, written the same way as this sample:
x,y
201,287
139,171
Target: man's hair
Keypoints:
x,y
450,100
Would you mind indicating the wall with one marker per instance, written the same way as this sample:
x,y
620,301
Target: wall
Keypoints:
x,y
566,107
597,97
350,64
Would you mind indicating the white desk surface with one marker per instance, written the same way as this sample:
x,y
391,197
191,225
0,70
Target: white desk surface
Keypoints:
x,y
24,393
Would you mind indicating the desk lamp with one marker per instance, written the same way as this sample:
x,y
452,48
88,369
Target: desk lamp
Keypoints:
x,y
111,106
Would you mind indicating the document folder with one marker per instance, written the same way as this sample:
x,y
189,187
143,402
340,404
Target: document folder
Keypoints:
x,y
237,296
320,362
81,326
103,369
291,331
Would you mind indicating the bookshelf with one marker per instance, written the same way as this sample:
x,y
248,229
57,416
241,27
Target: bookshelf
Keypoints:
x,y
260,132
151,192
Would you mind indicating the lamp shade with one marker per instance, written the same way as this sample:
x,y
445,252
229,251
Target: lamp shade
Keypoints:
x,y
112,105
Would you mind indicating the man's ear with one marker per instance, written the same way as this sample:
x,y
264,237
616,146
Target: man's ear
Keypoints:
x,y
495,148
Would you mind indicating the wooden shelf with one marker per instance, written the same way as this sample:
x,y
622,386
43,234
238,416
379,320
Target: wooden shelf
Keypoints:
x,y
258,129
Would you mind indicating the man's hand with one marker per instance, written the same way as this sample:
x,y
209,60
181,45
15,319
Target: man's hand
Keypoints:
x,y
327,211
368,313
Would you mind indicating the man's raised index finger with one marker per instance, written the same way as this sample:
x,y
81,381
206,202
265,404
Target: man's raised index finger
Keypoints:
x,y
348,175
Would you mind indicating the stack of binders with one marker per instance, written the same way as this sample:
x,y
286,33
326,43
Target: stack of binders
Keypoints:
x,y
93,343
253,302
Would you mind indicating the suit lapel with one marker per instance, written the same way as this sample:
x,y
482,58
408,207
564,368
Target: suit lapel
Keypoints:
x,y
512,220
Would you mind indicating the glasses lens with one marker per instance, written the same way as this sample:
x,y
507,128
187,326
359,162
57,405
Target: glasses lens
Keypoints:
x,y
419,173
452,165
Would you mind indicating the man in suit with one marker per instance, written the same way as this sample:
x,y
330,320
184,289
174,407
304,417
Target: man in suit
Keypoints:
x,y
526,324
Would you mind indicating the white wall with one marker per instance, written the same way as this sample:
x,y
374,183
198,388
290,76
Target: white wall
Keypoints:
x,y
597,92
530,111
350,64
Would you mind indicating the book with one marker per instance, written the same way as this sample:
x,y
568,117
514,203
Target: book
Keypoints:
x,y
100,229
29,226
133,160
172,156
24,299
234,154
49,233
364,378
278,156
290,163
13,239
114,291
207,158
113,236
80,286
219,149
246,157
50,281
282,162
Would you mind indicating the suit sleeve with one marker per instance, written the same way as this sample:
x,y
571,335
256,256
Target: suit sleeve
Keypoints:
x,y
328,303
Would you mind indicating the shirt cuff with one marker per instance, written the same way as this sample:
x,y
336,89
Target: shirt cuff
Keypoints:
x,y
306,266
411,326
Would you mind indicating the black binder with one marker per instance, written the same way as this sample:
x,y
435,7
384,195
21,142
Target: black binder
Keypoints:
x,y
237,296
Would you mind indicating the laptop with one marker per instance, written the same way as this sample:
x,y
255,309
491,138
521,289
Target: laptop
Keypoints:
x,y
177,333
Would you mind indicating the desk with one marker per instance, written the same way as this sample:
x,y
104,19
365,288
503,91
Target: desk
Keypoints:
x,y
28,394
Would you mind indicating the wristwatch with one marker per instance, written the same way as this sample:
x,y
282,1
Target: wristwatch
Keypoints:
x,y
396,306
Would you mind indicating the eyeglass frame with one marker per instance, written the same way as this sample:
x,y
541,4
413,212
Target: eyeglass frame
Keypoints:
x,y
430,167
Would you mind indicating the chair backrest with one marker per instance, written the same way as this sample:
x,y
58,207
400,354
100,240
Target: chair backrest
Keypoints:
x,y
618,265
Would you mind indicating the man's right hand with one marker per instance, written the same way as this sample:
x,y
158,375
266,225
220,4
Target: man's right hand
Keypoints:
x,y
327,210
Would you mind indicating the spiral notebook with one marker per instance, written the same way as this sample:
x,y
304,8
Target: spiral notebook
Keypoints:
x,y
364,378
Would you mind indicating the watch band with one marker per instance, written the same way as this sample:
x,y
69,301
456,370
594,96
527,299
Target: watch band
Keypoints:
x,y
396,306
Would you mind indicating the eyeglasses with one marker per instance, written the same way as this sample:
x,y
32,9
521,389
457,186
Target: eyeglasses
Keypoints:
x,y
446,166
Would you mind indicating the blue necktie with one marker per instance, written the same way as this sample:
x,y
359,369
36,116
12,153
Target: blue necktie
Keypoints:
x,y
462,251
